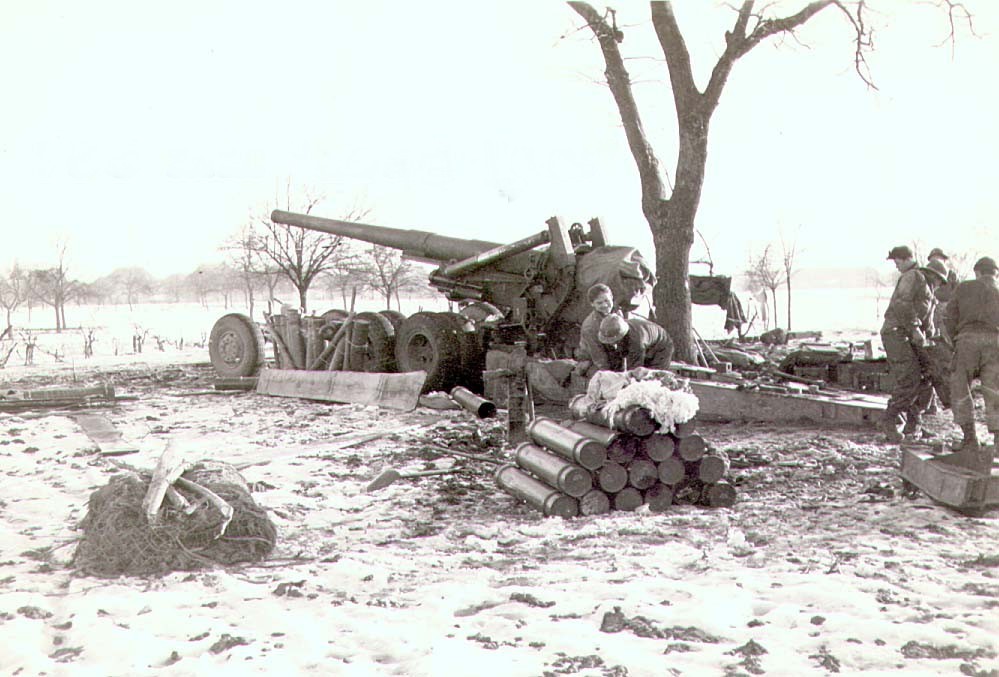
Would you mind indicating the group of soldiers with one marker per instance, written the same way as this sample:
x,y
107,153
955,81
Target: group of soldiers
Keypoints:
x,y
939,335
613,339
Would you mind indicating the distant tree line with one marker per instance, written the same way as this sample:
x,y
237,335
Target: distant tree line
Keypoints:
x,y
250,271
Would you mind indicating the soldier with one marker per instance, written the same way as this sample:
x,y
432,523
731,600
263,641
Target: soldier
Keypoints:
x,y
635,342
944,292
902,335
935,356
592,355
973,318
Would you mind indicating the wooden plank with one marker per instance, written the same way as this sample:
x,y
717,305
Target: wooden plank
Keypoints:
x,y
949,484
393,391
102,432
235,383
727,402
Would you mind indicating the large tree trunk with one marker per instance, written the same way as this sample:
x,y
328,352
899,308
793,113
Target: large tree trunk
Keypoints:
x,y
787,284
303,291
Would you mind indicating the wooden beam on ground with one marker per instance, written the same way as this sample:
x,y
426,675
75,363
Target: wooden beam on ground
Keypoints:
x,y
56,398
727,402
235,383
951,485
102,432
393,391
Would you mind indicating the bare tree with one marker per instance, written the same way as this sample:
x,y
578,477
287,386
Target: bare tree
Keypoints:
x,y
300,254
132,283
242,255
788,252
53,287
202,283
670,208
384,270
882,284
13,292
763,273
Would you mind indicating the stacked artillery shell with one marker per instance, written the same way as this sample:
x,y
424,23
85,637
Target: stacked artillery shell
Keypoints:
x,y
662,469
583,467
546,499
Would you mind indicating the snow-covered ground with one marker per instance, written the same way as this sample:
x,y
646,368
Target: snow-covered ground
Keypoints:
x,y
822,566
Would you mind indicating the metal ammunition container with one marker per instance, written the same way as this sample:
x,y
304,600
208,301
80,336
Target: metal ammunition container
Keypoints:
x,y
628,498
672,470
556,471
635,420
479,406
624,449
611,477
605,436
685,429
659,497
712,467
594,502
718,495
551,502
692,448
568,444
658,447
689,492
579,407
642,473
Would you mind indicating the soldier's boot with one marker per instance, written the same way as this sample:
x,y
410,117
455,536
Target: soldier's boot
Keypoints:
x,y
968,452
889,426
987,454
912,427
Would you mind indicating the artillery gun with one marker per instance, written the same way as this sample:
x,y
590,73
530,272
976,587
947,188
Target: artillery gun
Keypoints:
x,y
530,292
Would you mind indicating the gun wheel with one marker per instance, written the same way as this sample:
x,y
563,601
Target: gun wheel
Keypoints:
x,y
428,342
393,316
236,346
471,350
380,348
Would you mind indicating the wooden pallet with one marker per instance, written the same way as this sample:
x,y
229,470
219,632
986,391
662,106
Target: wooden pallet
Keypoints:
x,y
951,485
729,402
394,391
102,432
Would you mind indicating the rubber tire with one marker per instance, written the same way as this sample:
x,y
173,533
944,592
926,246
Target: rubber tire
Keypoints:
x,y
236,346
335,315
473,356
429,343
480,311
393,316
332,320
381,344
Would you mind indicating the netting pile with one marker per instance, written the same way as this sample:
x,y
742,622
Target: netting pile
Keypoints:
x,y
119,541
666,397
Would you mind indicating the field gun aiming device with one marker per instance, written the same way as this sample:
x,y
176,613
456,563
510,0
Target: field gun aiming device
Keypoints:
x,y
518,292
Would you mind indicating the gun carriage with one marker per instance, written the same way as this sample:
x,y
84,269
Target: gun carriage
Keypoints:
x,y
530,292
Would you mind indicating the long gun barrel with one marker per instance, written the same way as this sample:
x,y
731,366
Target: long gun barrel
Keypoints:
x,y
416,243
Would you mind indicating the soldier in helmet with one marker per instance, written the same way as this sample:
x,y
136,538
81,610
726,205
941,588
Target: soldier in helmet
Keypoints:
x,y
592,354
635,342
935,356
973,319
902,335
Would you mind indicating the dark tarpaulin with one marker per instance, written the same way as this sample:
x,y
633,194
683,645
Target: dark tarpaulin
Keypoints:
x,y
716,290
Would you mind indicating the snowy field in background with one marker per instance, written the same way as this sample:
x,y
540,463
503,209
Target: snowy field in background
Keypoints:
x,y
184,327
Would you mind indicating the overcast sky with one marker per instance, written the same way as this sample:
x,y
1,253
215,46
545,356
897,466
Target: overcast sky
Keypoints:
x,y
147,133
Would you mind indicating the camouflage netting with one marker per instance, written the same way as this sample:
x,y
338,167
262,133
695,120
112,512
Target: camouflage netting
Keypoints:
x,y
119,541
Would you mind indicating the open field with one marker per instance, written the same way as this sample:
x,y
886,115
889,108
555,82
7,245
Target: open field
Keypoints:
x,y
821,567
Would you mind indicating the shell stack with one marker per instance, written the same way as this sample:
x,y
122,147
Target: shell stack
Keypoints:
x,y
594,463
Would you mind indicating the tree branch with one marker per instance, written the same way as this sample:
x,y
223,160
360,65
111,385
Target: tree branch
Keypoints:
x,y
653,189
